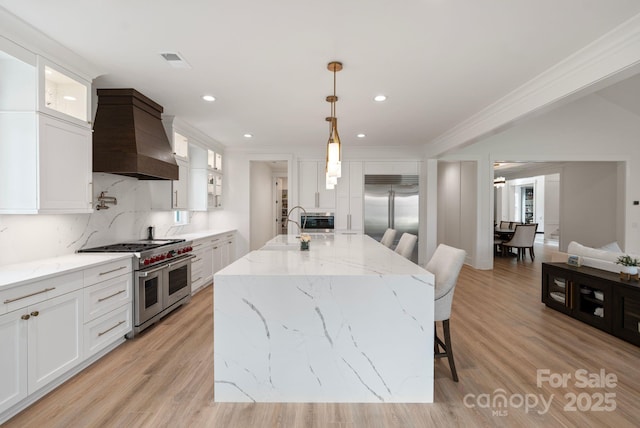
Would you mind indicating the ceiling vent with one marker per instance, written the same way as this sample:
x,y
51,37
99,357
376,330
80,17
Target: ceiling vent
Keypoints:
x,y
175,60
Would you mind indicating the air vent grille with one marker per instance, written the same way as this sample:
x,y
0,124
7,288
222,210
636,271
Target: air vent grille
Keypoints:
x,y
175,60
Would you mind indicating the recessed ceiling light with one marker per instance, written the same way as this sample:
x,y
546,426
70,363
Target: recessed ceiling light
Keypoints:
x,y
209,98
380,98
248,135
69,98
361,135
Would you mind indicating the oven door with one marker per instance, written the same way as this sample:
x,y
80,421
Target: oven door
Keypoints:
x,y
148,294
178,278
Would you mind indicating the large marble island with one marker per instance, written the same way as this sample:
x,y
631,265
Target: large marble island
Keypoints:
x,y
347,321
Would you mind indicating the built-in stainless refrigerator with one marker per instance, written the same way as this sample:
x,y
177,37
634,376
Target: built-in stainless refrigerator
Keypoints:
x,y
391,201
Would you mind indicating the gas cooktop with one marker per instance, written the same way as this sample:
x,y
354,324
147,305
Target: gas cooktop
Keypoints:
x,y
131,247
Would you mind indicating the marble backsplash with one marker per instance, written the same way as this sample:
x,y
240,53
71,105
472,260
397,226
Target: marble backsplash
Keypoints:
x,y
30,237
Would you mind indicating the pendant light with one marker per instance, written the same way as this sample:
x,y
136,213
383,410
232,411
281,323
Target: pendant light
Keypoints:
x,y
334,147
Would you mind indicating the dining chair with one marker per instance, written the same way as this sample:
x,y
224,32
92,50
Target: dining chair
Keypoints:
x,y
406,244
445,265
505,224
388,237
523,238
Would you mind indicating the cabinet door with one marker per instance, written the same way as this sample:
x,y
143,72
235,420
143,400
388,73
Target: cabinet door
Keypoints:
x,y
308,184
326,197
592,301
181,187
207,264
198,186
216,255
556,289
356,196
65,166
13,358
626,314
343,200
54,338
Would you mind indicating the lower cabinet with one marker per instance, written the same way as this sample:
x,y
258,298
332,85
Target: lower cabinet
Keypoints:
x,y
201,270
211,254
54,338
39,343
594,296
49,327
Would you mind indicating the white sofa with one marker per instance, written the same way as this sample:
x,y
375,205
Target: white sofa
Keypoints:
x,y
600,258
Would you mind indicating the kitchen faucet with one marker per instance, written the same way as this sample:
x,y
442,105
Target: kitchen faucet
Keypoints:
x,y
104,200
304,223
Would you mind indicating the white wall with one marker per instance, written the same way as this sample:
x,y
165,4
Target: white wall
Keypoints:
x,y
30,237
261,204
589,129
589,205
457,205
552,207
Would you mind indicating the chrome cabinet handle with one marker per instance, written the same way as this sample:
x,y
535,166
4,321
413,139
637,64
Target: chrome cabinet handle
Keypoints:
x,y
317,200
29,295
197,279
348,221
102,299
112,270
109,329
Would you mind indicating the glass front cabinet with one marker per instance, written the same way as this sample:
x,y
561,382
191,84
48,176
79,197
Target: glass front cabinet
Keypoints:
x,y
597,297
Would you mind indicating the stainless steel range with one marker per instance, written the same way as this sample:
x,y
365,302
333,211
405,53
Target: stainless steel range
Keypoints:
x,y
162,277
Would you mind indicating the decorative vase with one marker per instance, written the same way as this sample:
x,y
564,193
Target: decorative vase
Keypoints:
x,y
304,245
630,270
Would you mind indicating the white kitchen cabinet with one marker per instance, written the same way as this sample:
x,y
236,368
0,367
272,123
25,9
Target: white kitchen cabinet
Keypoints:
x,y
50,327
392,167
45,165
202,263
198,186
54,338
349,198
45,144
313,193
63,94
42,338
13,358
170,195
107,306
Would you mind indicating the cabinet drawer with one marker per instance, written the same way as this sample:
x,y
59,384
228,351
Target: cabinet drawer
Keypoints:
x,y
106,296
106,329
106,271
24,295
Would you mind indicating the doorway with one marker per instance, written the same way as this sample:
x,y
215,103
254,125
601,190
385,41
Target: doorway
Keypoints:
x,y
268,178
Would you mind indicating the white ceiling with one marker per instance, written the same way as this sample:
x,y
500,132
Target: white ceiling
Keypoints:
x,y
438,61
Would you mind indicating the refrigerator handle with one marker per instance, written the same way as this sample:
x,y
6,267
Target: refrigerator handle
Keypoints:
x,y
392,202
389,210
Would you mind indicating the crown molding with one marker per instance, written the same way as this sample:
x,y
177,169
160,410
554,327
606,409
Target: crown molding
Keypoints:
x,y
33,40
613,57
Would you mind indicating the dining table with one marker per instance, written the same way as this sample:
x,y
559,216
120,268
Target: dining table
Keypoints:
x,y
504,234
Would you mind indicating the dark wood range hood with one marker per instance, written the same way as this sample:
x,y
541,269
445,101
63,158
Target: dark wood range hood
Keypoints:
x,y
129,139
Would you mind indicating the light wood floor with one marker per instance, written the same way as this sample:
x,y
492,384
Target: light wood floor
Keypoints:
x,y
502,335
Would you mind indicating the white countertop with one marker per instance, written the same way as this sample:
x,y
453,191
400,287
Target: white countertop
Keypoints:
x,y
329,254
202,234
20,273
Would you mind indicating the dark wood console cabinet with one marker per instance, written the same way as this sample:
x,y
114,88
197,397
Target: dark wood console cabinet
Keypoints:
x,y
594,296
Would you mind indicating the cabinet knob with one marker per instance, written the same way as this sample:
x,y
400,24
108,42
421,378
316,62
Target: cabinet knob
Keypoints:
x,y
35,313
25,317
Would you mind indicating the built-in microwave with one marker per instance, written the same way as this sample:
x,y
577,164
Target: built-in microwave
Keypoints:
x,y
317,222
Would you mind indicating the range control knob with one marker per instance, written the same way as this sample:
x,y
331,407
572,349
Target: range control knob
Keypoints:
x,y
146,261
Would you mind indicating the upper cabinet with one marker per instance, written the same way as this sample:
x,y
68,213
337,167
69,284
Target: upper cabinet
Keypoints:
x,y
45,154
312,187
62,94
